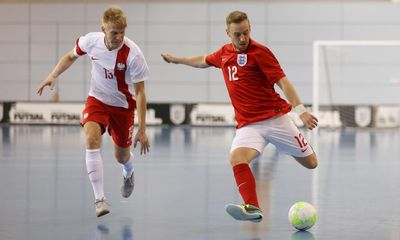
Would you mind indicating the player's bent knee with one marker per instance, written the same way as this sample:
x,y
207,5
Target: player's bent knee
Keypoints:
x,y
309,162
239,156
312,165
235,161
122,157
122,154
92,142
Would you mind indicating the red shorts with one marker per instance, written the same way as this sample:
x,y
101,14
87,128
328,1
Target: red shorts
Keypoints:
x,y
117,120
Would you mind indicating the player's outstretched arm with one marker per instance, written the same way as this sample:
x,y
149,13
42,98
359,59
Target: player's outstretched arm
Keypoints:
x,y
65,62
195,61
141,136
309,120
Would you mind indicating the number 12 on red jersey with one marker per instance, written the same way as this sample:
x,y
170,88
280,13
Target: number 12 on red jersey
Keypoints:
x,y
232,71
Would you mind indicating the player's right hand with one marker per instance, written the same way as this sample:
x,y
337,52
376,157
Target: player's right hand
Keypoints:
x,y
49,81
309,120
167,57
141,137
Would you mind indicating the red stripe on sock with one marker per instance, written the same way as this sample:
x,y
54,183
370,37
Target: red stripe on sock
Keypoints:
x,y
246,183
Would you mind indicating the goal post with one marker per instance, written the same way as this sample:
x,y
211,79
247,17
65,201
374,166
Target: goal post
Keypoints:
x,y
353,74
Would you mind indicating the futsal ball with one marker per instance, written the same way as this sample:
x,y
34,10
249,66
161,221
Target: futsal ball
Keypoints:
x,y
302,215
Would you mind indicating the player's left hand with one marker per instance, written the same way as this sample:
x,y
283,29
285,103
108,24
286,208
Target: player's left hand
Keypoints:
x,y
144,142
309,120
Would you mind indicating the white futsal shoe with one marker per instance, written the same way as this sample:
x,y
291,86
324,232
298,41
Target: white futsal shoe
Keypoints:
x,y
128,185
101,207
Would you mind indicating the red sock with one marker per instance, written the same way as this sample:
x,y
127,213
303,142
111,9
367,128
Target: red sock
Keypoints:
x,y
246,183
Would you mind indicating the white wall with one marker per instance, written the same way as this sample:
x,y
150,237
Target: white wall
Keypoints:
x,y
34,36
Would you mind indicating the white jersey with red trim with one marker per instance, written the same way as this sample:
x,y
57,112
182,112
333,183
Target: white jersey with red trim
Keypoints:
x,y
113,72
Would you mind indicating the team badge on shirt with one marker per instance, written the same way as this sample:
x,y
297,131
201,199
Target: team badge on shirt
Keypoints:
x,y
242,59
120,66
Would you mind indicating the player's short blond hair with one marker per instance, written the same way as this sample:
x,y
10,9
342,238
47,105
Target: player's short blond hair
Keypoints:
x,y
236,17
114,15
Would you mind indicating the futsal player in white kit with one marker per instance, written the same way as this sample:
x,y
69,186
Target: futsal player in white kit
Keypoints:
x,y
117,88
251,72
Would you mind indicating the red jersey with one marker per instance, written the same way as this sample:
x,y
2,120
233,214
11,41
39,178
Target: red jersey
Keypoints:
x,y
250,76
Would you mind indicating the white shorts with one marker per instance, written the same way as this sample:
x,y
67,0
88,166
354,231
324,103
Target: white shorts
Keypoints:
x,y
279,131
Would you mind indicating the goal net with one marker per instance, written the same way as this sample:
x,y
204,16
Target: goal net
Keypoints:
x,y
356,83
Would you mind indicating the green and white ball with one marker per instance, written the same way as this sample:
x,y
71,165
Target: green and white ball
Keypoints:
x,y
302,215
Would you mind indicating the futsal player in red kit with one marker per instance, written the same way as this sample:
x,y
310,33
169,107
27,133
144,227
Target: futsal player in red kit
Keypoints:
x,y
119,71
251,71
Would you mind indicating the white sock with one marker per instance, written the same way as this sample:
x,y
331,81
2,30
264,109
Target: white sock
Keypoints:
x,y
127,168
94,166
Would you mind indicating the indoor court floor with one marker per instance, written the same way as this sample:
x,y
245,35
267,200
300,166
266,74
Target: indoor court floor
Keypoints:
x,y
183,184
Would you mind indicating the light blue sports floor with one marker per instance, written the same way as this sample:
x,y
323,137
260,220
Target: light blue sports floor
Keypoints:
x,y
183,185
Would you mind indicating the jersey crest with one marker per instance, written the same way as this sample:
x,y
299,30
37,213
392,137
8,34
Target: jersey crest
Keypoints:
x,y
242,59
120,66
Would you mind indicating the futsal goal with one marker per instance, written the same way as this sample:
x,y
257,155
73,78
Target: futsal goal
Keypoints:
x,y
357,83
